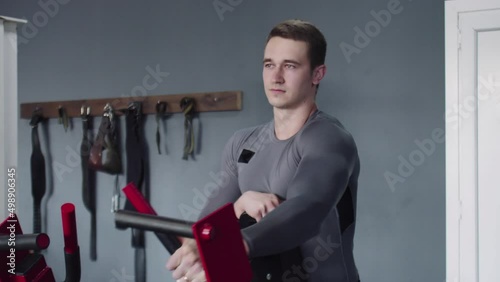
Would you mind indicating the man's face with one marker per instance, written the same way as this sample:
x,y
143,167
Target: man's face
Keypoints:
x,y
288,81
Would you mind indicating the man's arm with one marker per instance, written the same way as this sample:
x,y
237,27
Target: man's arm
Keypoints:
x,y
185,262
256,204
228,190
328,158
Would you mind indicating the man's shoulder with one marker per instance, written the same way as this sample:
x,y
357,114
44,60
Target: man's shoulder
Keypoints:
x,y
323,121
324,126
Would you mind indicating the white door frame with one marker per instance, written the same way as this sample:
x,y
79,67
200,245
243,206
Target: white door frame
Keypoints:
x,y
461,264
8,104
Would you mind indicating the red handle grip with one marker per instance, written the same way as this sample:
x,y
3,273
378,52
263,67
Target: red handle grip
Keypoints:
x,y
69,228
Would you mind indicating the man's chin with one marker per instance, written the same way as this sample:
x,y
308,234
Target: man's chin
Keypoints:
x,y
276,102
281,106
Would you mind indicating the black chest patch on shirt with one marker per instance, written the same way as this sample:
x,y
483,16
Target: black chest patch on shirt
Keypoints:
x,y
245,156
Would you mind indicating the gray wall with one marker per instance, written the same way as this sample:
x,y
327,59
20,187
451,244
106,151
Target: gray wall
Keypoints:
x,y
389,93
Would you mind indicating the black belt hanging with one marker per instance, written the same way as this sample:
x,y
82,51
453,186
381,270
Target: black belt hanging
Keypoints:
x,y
136,171
187,106
88,179
37,172
161,108
63,118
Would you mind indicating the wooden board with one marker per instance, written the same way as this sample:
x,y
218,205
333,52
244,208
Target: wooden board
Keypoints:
x,y
204,102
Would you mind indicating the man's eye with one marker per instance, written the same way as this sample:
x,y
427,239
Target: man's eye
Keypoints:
x,y
288,66
267,65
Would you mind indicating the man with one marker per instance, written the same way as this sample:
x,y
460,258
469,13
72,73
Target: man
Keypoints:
x,y
297,175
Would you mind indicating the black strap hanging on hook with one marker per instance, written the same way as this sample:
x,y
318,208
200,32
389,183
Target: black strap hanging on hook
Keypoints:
x,y
88,179
63,118
187,106
38,185
161,109
136,173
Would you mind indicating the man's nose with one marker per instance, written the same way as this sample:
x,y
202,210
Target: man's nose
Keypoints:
x,y
278,75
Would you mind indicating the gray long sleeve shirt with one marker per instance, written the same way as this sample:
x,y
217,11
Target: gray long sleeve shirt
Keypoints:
x,y
316,173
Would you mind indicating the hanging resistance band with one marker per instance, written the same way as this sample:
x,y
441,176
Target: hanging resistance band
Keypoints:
x,y
88,180
187,106
135,152
37,173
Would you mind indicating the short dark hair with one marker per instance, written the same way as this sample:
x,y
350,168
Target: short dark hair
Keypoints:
x,y
300,30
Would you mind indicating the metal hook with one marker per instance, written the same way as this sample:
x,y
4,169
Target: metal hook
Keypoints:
x,y
161,108
85,112
108,111
132,106
36,117
107,107
135,108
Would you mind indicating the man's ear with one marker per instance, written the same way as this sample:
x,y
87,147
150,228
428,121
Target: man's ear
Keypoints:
x,y
318,74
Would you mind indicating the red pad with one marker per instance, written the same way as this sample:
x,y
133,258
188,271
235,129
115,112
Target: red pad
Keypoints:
x,y
223,256
221,247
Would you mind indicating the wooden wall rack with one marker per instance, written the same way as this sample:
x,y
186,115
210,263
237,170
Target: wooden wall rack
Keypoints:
x,y
204,102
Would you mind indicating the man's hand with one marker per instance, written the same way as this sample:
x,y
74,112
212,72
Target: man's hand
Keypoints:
x,y
256,204
186,264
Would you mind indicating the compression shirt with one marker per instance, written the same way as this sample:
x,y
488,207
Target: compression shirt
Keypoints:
x,y
316,173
